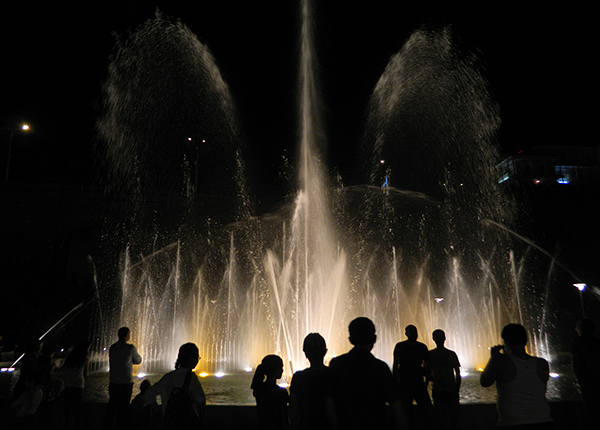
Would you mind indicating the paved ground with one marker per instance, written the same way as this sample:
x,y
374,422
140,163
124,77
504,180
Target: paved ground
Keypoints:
x,y
567,415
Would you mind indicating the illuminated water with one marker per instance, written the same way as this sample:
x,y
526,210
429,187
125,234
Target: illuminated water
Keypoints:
x,y
256,286
234,389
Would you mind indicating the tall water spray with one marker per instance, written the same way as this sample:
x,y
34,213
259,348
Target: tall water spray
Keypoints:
x,y
422,255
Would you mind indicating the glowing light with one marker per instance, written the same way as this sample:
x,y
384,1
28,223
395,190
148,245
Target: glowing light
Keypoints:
x,y
25,127
554,375
580,286
480,369
141,375
203,374
283,384
464,373
219,374
7,369
537,181
247,369
563,181
439,299
382,161
189,139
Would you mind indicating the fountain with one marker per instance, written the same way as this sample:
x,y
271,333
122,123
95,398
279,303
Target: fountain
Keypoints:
x,y
257,285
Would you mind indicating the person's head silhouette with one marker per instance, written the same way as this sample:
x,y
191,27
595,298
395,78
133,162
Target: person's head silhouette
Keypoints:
x,y
411,332
362,333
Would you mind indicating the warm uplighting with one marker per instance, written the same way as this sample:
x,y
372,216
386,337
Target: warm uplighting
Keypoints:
x,y
480,369
203,374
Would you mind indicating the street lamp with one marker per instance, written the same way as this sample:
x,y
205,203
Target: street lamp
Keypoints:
x,y
24,128
581,287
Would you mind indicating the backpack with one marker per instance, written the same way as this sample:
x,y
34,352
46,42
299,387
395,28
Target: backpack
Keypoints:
x,y
180,413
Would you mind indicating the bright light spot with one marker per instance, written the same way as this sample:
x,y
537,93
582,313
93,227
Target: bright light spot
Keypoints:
x,y
554,375
189,139
203,374
25,127
141,375
103,349
247,369
580,286
219,374
382,161
480,369
464,373
439,299
537,181
7,369
203,141
283,384
563,181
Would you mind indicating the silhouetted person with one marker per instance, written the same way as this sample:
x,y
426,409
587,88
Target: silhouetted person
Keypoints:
x,y
27,403
182,396
75,371
310,408
586,365
29,366
445,376
363,385
411,361
142,412
520,382
271,399
122,357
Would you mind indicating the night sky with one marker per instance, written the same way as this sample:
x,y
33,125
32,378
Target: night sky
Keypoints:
x,y
539,58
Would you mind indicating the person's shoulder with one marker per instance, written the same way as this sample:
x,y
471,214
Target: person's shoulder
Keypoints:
x,y
380,365
335,361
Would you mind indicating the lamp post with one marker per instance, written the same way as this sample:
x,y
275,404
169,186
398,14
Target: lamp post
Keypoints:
x,y
581,287
23,127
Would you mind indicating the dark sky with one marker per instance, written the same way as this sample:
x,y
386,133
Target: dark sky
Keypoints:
x,y
540,60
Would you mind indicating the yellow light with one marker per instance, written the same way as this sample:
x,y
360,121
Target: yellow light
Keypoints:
x,y
480,369
25,127
203,374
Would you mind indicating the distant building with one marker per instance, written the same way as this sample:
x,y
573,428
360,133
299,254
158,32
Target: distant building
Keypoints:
x,y
552,166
